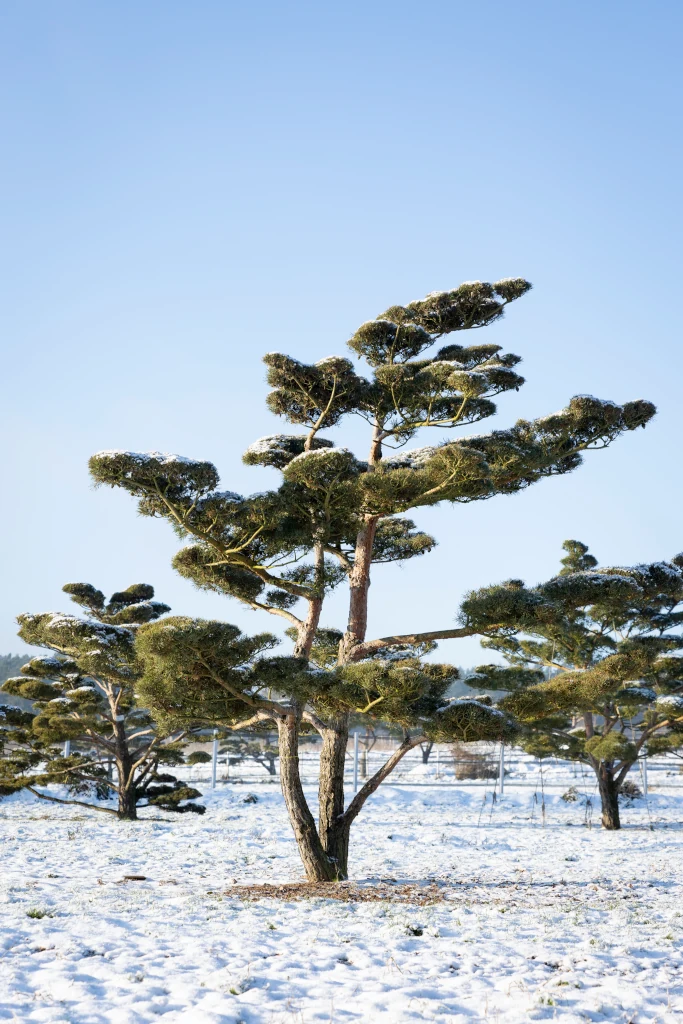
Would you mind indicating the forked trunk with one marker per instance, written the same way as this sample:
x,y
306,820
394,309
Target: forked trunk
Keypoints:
x,y
334,834
609,797
317,865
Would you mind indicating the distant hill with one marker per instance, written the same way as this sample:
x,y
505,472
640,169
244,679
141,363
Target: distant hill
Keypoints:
x,y
9,666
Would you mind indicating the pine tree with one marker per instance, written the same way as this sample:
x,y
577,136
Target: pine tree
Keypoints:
x,y
334,516
251,747
84,693
609,640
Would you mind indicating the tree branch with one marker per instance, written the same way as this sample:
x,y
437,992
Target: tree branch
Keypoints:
x,y
371,646
260,716
279,710
378,778
338,554
79,803
312,719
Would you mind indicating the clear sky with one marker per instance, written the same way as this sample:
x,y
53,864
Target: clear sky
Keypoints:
x,y
188,185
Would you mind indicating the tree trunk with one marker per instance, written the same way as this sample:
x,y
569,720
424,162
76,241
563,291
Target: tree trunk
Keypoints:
x,y
307,631
333,824
337,847
306,635
318,866
359,584
331,794
127,810
609,797
426,749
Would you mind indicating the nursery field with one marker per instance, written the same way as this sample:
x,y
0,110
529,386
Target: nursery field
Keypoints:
x,y
487,912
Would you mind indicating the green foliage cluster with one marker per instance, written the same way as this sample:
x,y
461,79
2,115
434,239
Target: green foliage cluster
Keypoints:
x,y
201,673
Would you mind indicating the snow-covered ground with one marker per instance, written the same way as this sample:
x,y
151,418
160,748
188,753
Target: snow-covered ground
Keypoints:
x,y
549,920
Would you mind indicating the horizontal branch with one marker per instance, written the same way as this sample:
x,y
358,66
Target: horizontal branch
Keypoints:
x,y
260,716
79,803
372,646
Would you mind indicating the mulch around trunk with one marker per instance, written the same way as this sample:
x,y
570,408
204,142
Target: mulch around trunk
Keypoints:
x,y
345,892
511,894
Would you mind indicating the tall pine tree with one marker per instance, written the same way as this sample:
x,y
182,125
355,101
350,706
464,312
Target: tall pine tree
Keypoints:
x,y
84,692
610,640
335,515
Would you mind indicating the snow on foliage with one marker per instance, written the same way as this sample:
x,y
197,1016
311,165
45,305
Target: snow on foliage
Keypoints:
x,y
639,693
414,458
279,449
162,458
670,701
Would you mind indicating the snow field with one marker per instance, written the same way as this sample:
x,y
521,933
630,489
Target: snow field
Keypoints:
x,y
554,921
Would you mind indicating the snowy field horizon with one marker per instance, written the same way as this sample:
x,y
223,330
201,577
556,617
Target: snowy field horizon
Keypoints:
x,y
492,912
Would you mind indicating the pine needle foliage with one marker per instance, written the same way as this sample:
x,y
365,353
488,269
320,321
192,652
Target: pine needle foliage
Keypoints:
x,y
610,641
333,516
84,692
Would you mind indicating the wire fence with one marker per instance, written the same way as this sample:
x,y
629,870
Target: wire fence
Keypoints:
x,y
478,765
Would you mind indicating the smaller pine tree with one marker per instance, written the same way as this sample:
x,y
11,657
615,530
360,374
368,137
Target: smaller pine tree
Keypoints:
x,y
84,693
251,747
594,663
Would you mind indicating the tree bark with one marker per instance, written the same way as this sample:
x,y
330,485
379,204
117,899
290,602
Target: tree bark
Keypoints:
x,y
359,584
306,634
426,749
609,797
331,794
337,848
304,641
127,810
317,865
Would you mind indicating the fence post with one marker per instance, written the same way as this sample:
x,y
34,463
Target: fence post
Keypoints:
x,y
355,761
644,776
214,759
501,770
67,748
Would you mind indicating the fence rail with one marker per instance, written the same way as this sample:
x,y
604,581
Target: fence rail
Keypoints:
x,y
487,767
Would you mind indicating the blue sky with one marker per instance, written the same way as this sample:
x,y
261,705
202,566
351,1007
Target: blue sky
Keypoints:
x,y
186,186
